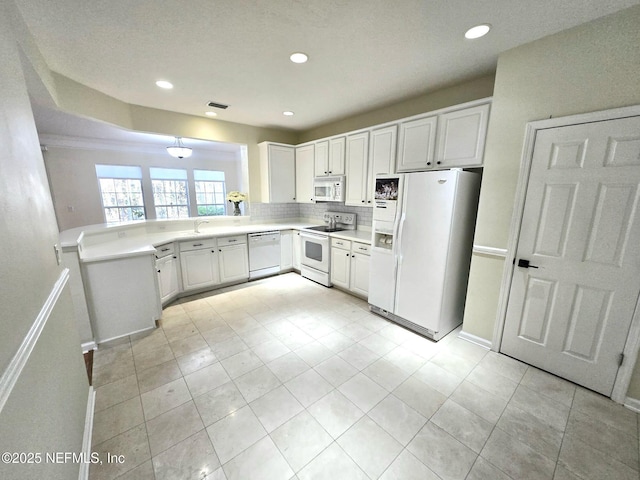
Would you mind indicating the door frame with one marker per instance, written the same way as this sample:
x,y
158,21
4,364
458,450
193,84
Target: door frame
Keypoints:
x,y
632,345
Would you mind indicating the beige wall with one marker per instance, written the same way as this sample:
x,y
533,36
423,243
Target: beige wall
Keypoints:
x,y
591,67
481,87
45,408
73,181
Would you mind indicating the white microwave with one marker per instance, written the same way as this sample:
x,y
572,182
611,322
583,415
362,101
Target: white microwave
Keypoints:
x,y
328,189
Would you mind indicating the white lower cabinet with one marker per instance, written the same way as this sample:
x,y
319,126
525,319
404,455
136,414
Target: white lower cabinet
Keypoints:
x,y
286,250
340,265
168,282
350,266
297,250
359,281
234,263
199,264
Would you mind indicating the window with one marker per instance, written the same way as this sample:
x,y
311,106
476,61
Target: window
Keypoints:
x,y
210,192
121,192
170,192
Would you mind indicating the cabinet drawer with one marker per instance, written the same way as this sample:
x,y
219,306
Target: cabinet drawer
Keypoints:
x,y
363,248
340,243
165,250
235,240
197,244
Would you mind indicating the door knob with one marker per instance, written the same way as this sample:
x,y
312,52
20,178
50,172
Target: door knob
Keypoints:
x,y
522,263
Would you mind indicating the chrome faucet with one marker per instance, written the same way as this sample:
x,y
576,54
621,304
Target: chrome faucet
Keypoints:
x,y
197,224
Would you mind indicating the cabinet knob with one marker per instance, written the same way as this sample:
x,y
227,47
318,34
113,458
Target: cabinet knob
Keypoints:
x,y
347,256
158,271
353,256
325,172
219,250
330,171
438,162
368,201
175,256
213,251
362,201
428,163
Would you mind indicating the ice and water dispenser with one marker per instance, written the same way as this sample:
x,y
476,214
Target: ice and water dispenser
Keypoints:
x,y
386,210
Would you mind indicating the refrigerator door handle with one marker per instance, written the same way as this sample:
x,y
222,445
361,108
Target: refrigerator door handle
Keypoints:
x,y
398,237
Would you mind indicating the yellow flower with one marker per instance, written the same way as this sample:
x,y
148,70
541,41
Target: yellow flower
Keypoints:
x,y
236,197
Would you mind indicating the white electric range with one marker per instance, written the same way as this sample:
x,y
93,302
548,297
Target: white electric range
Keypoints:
x,y
316,246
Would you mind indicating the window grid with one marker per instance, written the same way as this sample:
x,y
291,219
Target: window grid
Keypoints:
x,y
170,198
122,199
210,197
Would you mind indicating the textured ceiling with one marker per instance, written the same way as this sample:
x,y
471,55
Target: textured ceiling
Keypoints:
x,y
363,54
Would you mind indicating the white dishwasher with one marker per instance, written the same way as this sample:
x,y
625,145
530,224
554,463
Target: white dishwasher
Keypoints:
x,y
264,254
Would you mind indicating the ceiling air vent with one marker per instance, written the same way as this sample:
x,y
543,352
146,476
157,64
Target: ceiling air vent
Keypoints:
x,y
218,105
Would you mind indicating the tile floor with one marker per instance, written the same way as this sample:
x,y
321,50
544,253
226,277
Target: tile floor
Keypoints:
x,y
283,378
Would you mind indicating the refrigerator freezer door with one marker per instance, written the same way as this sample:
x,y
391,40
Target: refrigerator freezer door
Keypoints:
x,y
382,278
424,241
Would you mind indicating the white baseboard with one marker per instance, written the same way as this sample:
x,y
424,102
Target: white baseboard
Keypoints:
x,y
632,404
474,339
88,433
89,346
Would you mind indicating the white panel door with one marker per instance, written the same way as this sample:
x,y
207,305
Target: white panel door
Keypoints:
x,y
570,312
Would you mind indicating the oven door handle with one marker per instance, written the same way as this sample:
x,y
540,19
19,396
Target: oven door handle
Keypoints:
x,y
315,236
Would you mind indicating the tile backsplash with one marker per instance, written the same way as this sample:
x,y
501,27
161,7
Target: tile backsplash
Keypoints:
x,y
313,211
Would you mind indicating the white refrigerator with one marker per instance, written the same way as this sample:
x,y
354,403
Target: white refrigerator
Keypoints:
x,y
423,225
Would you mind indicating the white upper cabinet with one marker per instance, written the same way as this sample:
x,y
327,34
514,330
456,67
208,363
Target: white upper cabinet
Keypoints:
x,y
417,144
383,150
357,191
321,167
329,160
461,136
447,140
304,173
277,172
336,156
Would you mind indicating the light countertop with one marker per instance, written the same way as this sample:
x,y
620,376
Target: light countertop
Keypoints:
x,y
93,246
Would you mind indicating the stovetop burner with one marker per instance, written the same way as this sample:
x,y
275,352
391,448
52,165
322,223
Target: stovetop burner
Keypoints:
x,y
324,228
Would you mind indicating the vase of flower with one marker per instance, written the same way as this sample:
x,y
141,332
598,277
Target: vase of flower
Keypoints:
x,y
236,198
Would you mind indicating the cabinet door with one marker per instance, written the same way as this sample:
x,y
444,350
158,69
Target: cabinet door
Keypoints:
x,y
383,150
297,250
277,172
357,169
461,136
336,156
416,144
340,267
304,174
360,274
199,268
286,250
321,161
168,277
234,263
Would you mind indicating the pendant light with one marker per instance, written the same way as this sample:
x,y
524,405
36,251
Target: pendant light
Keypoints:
x,y
178,150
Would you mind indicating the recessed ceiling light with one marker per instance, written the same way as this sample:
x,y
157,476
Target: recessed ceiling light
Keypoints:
x,y
298,57
287,113
211,114
478,31
164,84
